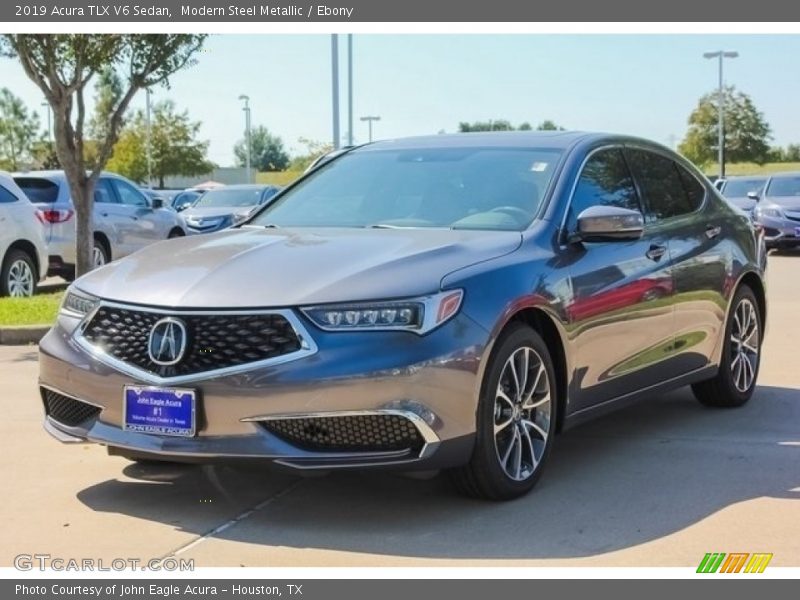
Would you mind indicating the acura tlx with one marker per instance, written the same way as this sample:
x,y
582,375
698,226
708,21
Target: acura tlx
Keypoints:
x,y
436,303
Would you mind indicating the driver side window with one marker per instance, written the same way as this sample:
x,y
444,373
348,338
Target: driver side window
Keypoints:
x,y
129,195
604,181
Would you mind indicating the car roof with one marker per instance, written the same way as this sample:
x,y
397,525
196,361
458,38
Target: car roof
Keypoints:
x,y
740,177
784,174
56,175
520,139
242,186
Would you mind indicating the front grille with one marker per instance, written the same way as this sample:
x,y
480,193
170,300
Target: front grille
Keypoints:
x,y
364,433
67,410
213,341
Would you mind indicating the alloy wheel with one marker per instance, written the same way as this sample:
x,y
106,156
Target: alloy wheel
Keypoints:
x,y
745,344
20,279
98,257
522,411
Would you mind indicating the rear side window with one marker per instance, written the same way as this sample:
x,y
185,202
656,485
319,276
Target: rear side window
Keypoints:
x,y
604,181
6,197
695,190
662,186
38,190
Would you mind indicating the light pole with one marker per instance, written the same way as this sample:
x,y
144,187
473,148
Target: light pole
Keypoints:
x,y
49,122
349,89
147,148
721,55
246,110
369,119
335,88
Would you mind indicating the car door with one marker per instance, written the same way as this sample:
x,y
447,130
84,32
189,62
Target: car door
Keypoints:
x,y
109,218
620,312
143,225
675,203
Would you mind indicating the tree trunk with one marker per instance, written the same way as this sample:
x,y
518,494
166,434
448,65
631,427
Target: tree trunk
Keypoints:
x,y
82,196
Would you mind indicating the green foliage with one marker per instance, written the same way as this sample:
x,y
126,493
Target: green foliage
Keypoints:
x,y
19,131
747,133
504,125
175,149
267,152
548,125
108,91
314,150
36,310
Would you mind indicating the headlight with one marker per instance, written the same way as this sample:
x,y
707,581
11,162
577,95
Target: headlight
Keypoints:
x,y
77,304
768,211
418,315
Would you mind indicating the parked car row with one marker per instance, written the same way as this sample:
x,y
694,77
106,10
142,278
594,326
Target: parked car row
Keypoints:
x,y
773,203
22,244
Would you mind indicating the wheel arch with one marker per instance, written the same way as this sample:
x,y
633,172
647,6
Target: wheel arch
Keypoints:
x,y
28,248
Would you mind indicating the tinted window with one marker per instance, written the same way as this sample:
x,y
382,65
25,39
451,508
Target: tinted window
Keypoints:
x,y
695,190
129,195
662,187
604,181
739,188
6,197
462,187
230,197
38,190
103,193
784,186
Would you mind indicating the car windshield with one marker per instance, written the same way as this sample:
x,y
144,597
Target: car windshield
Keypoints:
x,y
739,188
38,190
461,188
784,186
223,197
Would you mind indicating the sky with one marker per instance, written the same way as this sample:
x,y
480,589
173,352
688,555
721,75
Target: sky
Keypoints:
x,y
643,85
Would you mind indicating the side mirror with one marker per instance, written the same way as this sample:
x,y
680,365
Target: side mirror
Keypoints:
x,y
609,223
157,203
753,196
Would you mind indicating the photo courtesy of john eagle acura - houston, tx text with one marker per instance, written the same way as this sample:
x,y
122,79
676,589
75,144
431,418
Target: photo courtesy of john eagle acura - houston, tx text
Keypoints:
x,y
447,303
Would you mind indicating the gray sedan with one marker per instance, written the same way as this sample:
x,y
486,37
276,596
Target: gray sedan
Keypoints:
x,y
222,207
446,302
778,210
125,219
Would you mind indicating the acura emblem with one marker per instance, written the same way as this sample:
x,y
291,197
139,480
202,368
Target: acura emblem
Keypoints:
x,y
167,342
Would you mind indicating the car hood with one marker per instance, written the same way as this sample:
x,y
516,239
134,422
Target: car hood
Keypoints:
x,y
256,267
791,203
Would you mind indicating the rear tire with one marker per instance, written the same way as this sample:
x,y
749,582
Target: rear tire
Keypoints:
x,y
741,356
18,275
516,419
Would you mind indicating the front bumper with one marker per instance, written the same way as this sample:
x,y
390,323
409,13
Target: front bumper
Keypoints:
x,y
429,380
780,232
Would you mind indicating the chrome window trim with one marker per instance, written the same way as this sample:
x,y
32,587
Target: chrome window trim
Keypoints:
x,y
307,345
428,435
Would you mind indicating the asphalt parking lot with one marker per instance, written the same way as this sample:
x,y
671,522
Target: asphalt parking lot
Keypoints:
x,y
658,484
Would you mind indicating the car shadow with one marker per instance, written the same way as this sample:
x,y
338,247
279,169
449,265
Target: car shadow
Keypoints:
x,y
638,475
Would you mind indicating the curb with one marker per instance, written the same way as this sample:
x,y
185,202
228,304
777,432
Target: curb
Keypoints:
x,y
20,336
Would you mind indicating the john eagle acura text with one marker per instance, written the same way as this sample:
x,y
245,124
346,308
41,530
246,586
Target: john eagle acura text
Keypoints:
x,y
448,302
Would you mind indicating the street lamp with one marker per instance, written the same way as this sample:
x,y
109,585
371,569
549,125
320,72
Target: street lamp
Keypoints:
x,y
721,55
335,89
246,110
370,119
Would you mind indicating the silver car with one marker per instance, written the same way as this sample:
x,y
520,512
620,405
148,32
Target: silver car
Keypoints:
x,y
22,247
225,206
125,220
778,211
743,191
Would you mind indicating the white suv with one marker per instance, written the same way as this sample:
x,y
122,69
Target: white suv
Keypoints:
x,y
22,247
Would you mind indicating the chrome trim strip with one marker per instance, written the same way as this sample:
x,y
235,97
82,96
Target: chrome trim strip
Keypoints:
x,y
307,344
428,435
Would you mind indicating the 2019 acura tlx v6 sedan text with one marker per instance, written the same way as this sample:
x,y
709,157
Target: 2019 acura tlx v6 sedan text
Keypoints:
x,y
445,302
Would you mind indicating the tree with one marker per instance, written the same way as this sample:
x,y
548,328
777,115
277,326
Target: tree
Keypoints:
x,y
19,131
314,149
493,125
548,125
747,133
62,66
266,151
174,149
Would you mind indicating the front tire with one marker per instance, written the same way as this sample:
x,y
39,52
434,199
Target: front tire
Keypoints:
x,y
100,256
516,419
741,356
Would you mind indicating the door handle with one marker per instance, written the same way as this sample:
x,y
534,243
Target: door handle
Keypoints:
x,y
103,214
713,231
656,252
